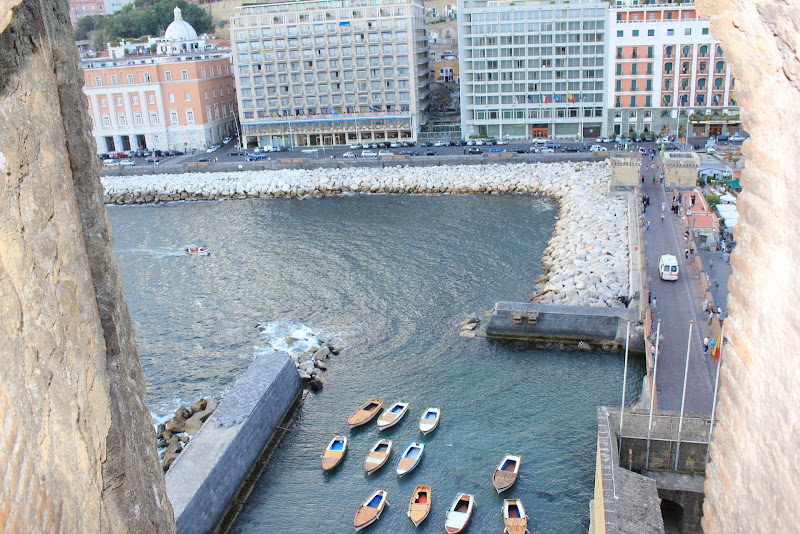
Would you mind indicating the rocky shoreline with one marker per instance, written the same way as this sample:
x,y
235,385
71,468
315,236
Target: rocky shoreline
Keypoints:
x,y
585,262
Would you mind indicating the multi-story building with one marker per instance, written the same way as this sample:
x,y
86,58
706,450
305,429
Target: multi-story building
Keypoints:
x,y
180,100
666,73
532,68
83,8
327,72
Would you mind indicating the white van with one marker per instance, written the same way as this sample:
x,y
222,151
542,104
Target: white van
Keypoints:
x,y
110,163
668,267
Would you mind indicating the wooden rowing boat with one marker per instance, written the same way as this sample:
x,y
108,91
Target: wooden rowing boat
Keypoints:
x,y
370,510
459,514
429,420
334,453
410,458
514,517
366,413
506,473
392,416
420,505
378,455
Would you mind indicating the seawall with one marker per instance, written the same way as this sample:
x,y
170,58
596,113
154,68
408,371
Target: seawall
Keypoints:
x,y
204,480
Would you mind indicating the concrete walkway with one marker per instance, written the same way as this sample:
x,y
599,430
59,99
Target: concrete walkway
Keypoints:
x,y
676,305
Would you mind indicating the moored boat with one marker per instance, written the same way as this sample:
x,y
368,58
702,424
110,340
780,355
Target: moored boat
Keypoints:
x,y
420,505
459,513
366,413
514,517
378,455
410,458
429,420
392,416
370,510
334,453
197,251
506,473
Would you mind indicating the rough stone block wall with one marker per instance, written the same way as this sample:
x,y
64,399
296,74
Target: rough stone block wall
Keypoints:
x,y
753,480
76,441
625,171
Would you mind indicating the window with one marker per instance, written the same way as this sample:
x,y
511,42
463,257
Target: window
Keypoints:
x,y
147,77
173,118
670,31
151,99
102,102
649,85
649,52
648,101
168,76
651,33
106,121
190,116
98,81
687,31
633,85
184,74
668,67
172,97
705,31
135,100
620,33
130,78
203,71
208,113
119,101
633,101
114,79
154,118
635,33
619,85
187,96
634,69
137,119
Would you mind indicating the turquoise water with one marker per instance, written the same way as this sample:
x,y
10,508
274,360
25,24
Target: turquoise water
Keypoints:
x,y
391,277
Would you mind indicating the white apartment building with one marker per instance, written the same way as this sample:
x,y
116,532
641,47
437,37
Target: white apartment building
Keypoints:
x,y
532,68
667,73
331,72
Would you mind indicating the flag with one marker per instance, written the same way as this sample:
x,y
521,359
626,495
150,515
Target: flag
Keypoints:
x,y
718,347
716,100
514,99
733,99
684,99
570,98
556,98
545,99
332,111
530,99
701,99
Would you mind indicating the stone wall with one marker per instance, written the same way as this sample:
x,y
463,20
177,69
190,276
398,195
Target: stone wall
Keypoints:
x,y
76,438
753,480
625,171
680,169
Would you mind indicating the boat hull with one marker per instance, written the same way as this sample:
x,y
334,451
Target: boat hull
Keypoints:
x,y
376,458
514,517
427,425
365,413
506,473
410,458
459,513
420,505
371,509
392,416
334,453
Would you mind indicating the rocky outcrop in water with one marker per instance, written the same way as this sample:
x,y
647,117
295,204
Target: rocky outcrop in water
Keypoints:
x,y
585,262
175,433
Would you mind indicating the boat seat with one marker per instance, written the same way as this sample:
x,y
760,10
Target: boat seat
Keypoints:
x,y
516,317
533,317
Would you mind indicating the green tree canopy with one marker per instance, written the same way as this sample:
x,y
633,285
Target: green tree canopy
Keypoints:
x,y
143,18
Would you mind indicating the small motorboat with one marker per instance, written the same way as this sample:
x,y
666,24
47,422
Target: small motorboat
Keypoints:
x,y
429,420
514,517
420,505
410,458
506,473
370,510
392,416
197,251
459,514
366,413
334,453
378,455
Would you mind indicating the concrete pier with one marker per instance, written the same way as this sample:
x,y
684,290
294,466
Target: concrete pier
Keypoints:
x,y
582,326
205,478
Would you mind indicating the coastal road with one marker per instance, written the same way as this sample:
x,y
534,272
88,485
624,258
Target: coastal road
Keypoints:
x,y
675,307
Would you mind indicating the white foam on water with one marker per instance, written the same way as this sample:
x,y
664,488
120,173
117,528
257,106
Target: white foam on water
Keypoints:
x,y
275,333
155,253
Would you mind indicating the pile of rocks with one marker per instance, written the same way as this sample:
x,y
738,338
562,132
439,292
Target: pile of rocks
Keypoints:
x,y
311,363
174,434
585,263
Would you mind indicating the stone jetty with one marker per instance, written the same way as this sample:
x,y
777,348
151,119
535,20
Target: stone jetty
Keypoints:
x,y
585,262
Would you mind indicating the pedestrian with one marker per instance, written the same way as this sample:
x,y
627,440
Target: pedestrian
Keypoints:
x,y
642,177
686,254
710,316
691,253
710,264
653,350
711,345
705,305
662,216
705,345
716,285
655,301
692,200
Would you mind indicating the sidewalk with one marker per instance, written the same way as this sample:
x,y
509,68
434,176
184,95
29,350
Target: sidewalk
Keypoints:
x,y
675,305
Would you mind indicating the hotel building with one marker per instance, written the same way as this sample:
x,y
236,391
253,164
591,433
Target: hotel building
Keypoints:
x,y
180,100
331,72
532,68
667,73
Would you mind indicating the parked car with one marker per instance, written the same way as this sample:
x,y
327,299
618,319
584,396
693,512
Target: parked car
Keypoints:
x,y
409,153
551,144
737,138
356,146
203,159
395,145
255,157
110,163
384,153
212,148
425,144
152,159
480,142
597,148
430,153
369,154
539,141
474,150
570,149
127,162
441,143
502,141
496,150
226,140
722,138
238,152
349,155
471,142
648,138
545,150
519,150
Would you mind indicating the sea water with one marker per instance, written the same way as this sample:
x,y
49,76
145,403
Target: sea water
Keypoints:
x,y
390,278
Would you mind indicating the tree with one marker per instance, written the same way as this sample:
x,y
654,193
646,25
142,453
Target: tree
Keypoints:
x,y
84,26
442,99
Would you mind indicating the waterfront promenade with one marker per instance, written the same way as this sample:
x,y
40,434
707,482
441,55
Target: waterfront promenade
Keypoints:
x,y
677,303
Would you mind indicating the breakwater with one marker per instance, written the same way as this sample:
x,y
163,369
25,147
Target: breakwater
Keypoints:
x,y
585,262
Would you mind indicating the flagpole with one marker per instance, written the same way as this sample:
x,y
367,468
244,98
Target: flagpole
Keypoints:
x,y
624,383
716,386
683,395
653,388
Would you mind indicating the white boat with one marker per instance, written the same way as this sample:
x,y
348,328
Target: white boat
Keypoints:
x,y
459,513
392,416
197,251
514,517
506,473
429,420
370,510
410,458
378,455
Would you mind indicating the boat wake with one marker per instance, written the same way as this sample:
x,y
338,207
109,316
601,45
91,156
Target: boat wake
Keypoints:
x,y
153,253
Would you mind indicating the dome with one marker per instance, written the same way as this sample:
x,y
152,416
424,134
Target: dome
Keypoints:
x,y
179,29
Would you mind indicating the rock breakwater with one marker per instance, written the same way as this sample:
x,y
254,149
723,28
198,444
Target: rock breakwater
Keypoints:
x,y
585,262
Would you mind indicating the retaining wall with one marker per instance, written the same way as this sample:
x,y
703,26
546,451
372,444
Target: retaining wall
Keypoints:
x,y
205,478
